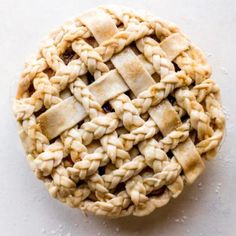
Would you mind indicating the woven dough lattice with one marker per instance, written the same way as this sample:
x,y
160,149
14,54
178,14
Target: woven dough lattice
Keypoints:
x,y
117,111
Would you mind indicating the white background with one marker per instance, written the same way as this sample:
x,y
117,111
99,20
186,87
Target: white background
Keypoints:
x,y
206,208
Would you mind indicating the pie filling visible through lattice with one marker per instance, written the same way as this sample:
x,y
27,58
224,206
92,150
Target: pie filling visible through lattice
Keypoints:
x,y
117,111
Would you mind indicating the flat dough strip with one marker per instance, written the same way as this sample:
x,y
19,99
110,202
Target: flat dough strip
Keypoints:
x,y
165,117
186,153
190,160
108,86
60,117
174,45
132,71
26,141
100,24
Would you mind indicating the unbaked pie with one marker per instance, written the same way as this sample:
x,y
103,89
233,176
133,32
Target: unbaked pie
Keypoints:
x,y
117,112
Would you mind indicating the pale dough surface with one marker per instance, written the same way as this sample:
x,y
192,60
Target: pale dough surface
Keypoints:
x,y
27,209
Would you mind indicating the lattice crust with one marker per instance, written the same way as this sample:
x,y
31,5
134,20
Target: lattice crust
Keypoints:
x,y
117,112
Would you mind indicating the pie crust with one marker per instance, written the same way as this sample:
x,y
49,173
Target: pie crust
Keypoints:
x,y
117,112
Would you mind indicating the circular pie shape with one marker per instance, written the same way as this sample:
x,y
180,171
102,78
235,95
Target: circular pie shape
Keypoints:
x,y
117,111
